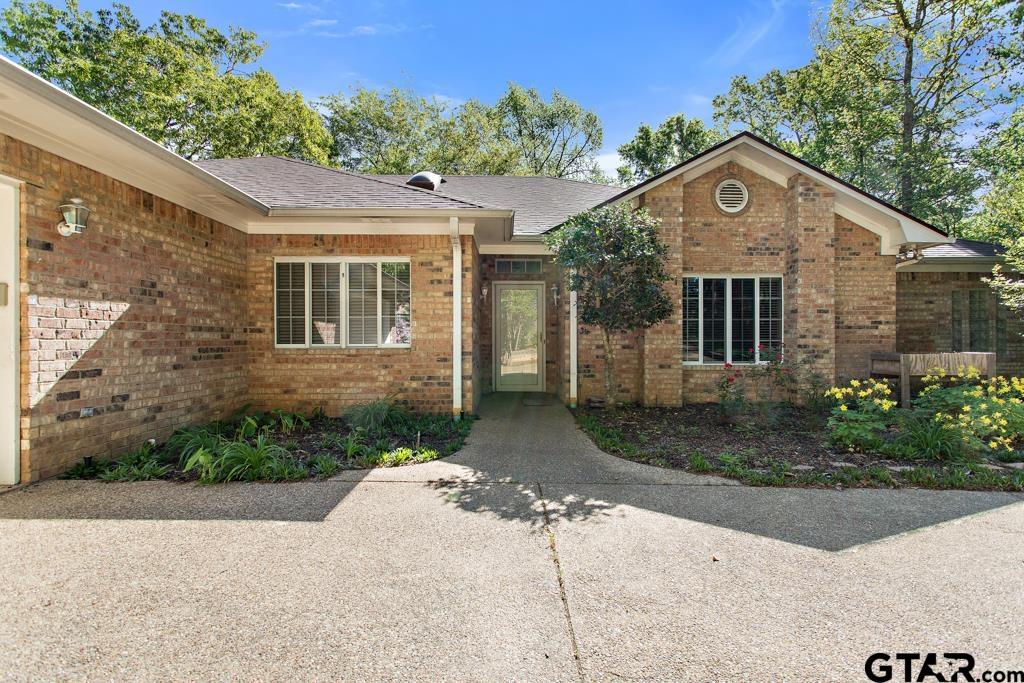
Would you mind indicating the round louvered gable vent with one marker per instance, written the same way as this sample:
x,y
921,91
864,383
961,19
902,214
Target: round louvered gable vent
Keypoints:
x,y
731,195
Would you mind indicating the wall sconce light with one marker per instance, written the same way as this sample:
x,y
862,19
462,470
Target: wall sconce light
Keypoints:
x,y
76,216
483,291
554,292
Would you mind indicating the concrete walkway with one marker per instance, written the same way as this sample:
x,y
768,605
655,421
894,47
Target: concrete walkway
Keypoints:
x,y
529,555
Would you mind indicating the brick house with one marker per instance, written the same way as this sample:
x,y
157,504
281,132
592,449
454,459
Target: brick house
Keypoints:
x,y
195,288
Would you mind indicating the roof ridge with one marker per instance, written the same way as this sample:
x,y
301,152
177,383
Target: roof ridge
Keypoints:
x,y
363,176
501,175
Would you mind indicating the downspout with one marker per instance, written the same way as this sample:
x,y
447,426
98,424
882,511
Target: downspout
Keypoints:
x,y
453,228
573,351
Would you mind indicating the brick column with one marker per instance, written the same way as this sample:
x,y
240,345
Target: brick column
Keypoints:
x,y
662,345
810,290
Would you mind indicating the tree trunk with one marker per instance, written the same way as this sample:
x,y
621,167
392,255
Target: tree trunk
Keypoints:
x,y
908,117
609,370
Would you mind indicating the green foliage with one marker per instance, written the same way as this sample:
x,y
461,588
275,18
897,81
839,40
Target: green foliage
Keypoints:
x,y
698,463
607,438
922,437
617,265
863,411
186,441
289,422
141,464
653,150
889,98
178,81
381,413
84,470
400,132
324,466
242,460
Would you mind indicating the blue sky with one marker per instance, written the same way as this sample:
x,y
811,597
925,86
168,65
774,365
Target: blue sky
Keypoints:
x,y
629,62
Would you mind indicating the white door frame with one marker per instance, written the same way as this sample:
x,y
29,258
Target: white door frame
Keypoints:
x,y
10,316
541,324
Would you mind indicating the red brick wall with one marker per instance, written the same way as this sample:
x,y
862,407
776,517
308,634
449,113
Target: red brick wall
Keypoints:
x,y
132,328
303,379
865,299
924,317
826,263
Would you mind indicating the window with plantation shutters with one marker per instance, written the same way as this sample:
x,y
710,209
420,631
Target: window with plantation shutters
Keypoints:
x,y
362,304
731,319
342,302
290,295
325,303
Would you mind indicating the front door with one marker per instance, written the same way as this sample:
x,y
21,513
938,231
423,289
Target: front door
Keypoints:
x,y
9,377
519,336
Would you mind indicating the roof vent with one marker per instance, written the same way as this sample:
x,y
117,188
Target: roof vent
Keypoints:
x,y
731,196
426,180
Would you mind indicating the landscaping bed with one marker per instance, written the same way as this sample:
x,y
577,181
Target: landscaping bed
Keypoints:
x,y
962,432
283,446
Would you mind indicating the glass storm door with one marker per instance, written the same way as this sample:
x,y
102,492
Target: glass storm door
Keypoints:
x,y
519,337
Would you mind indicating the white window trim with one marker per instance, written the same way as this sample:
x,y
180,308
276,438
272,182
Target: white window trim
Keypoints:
x,y
728,277
344,262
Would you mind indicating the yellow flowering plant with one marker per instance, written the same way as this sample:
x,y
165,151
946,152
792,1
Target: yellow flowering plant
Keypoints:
x,y
987,413
863,410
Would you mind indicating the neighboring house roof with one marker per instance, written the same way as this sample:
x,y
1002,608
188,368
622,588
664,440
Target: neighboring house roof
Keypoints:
x,y
964,249
283,183
539,203
895,226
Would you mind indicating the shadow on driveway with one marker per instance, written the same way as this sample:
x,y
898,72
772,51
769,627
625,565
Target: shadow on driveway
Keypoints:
x,y
525,461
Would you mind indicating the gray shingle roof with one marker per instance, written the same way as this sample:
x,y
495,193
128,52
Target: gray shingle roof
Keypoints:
x,y
964,249
283,183
540,203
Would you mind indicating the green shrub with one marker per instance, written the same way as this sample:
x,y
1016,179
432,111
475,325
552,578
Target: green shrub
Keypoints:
x,y
250,461
289,422
426,455
733,465
141,464
83,470
396,457
924,437
862,413
324,466
187,440
331,441
377,415
698,463
987,414
284,468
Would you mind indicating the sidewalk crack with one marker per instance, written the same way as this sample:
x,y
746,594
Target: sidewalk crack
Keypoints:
x,y
552,545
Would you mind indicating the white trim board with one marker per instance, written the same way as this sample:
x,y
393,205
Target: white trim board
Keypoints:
x,y
10,332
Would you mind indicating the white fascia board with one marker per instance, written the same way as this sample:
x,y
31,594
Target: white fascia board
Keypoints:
x,y
36,112
354,226
441,214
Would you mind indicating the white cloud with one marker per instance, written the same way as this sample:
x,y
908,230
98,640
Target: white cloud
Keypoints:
x,y
750,30
322,22
374,30
306,6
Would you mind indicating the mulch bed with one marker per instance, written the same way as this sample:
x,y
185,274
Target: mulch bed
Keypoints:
x,y
796,438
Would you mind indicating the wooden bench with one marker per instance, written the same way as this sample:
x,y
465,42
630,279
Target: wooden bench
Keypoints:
x,y
907,365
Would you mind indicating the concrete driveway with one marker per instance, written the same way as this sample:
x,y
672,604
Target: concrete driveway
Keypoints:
x,y
530,555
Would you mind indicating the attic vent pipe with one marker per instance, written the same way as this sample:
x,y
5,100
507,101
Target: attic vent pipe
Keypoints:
x,y
426,180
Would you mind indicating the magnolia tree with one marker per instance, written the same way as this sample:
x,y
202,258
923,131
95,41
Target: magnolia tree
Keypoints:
x,y
616,265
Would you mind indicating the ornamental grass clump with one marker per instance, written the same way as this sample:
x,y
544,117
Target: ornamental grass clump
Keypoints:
x,y
863,411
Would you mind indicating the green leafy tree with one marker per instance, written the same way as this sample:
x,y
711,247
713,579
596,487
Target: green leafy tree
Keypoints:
x,y
178,81
401,132
616,265
887,102
653,150
557,138
1001,218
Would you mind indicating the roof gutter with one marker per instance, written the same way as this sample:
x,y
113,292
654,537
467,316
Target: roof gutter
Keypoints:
x,y
47,91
